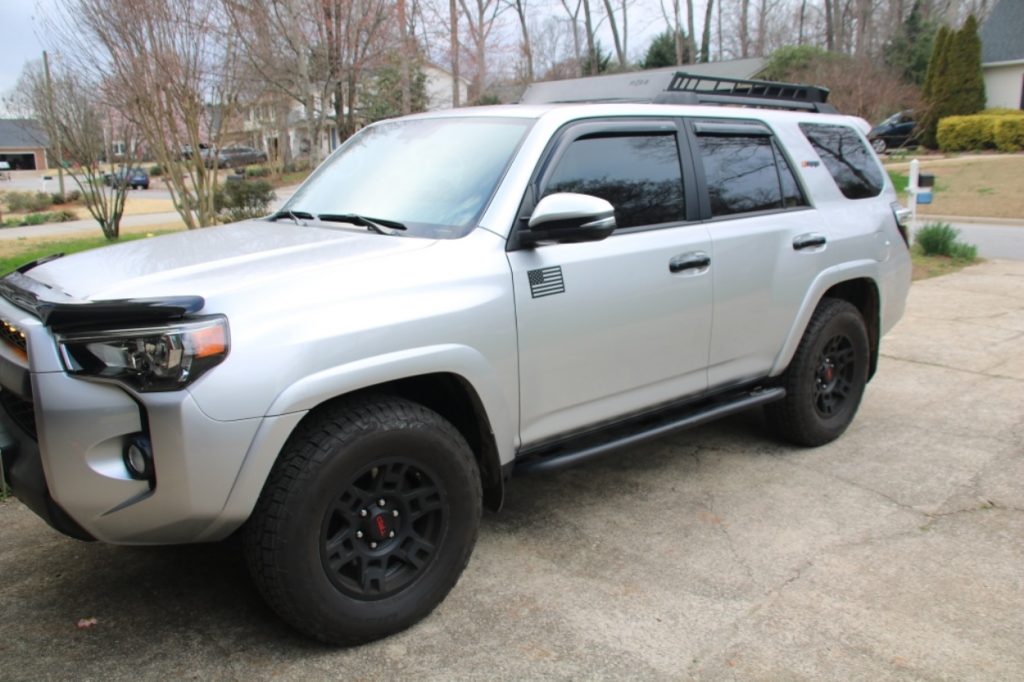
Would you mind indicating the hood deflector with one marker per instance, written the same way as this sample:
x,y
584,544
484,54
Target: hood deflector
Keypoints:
x,y
61,312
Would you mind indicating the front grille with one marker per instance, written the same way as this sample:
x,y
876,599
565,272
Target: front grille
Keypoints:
x,y
13,336
22,412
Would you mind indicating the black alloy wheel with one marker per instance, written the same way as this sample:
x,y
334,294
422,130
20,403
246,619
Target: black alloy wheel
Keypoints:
x,y
366,521
383,531
826,377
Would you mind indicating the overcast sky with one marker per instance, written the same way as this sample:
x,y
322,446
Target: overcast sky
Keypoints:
x,y
19,38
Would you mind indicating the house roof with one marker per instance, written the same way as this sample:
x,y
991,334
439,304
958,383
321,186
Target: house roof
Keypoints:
x,y
19,133
638,84
1001,33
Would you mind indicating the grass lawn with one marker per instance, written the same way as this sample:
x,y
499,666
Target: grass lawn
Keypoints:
x,y
934,266
986,186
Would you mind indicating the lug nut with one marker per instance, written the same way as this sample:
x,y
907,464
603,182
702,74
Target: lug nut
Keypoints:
x,y
359,533
362,512
394,513
391,534
373,545
382,502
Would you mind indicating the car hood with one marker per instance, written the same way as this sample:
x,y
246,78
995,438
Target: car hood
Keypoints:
x,y
213,260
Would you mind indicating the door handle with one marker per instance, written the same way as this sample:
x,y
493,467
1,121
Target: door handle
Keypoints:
x,y
689,261
808,241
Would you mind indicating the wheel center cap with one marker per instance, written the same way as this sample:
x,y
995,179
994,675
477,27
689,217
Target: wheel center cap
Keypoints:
x,y
380,527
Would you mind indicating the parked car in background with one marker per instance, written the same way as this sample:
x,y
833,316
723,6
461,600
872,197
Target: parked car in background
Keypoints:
x,y
235,157
136,178
186,150
899,130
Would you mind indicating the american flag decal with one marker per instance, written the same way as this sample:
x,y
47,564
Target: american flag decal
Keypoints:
x,y
546,281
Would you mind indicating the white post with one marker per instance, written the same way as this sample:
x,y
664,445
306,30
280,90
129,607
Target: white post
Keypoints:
x,y
912,188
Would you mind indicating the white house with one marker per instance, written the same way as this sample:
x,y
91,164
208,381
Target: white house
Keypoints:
x,y
1002,55
439,88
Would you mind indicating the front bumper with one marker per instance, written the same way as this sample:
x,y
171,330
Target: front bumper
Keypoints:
x,y
63,439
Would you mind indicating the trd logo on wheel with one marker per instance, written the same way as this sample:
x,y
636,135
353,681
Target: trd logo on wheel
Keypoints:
x,y
382,526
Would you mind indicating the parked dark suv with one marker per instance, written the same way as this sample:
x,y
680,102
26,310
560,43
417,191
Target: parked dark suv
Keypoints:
x,y
235,157
899,130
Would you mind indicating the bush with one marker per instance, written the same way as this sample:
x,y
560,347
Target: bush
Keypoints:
x,y
1008,132
940,239
27,202
998,129
257,171
937,239
243,200
156,170
41,219
964,252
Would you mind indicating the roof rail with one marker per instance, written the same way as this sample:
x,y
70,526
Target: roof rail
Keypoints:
x,y
688,88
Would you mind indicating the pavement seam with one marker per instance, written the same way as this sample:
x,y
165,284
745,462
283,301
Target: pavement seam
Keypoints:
x,y
953,369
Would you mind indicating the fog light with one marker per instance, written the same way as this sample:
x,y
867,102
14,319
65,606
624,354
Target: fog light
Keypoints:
x,y
138,458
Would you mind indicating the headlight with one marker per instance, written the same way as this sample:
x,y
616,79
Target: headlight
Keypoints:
x,y
150,359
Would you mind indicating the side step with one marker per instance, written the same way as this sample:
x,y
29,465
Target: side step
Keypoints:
x,y
623,434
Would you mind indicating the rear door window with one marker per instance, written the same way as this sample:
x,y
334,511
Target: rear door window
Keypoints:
x,y
745,172
847,158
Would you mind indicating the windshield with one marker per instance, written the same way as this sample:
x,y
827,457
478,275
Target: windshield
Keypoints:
x,y
432,176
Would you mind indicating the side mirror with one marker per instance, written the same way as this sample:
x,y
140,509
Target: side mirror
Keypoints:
x,y
568,217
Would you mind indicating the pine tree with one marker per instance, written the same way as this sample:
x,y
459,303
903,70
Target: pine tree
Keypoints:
x,y
967,94
936,86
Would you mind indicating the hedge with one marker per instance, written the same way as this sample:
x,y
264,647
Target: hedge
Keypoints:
x,y
1001,129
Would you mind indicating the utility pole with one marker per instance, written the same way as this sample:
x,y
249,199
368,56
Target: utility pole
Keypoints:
x,y
56,123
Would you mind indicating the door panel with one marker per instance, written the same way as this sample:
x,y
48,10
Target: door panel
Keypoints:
x,y
625,334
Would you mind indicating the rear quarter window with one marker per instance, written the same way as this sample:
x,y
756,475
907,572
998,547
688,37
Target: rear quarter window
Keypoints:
x,y
847,158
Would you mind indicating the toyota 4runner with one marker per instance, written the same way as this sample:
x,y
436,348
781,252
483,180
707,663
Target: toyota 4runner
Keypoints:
x,y
450,298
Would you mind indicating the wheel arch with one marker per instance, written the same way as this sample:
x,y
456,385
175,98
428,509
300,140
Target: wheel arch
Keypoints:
x,y
853,282
455,399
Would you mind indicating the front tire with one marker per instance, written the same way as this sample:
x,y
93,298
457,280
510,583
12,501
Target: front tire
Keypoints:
x,y
366,521
879,145
826,378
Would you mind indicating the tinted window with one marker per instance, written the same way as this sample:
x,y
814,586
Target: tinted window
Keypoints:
x,y
638,174
791,194
740,172
850,162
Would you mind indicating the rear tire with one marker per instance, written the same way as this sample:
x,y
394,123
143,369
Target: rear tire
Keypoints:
x,y
826,378
366,521
879,145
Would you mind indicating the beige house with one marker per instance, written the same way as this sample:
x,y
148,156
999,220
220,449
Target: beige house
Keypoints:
x,y
1002,55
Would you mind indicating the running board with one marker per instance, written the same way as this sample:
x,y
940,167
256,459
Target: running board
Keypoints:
x,y
634,431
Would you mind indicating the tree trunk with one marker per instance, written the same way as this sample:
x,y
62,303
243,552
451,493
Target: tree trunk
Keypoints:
x,y
803,13
830,31
403,57
705,43
744,31
520,6
613,25
591,51
691,39
453,14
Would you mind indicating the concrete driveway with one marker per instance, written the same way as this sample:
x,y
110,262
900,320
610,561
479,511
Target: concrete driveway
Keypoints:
x,y
895,553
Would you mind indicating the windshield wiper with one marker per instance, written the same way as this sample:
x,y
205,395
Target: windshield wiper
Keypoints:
x,y
378,225
294,215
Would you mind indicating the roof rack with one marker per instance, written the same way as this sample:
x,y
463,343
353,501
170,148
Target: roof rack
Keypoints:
x,y
687,88
668,86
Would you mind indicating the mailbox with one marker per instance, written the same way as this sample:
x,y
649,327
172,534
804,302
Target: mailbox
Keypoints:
x,y
926,180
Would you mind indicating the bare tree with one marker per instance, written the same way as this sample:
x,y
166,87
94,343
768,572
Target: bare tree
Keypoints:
x,y
573,13
527,49
454,26
705,43
171,72
70,108
481,17
613,26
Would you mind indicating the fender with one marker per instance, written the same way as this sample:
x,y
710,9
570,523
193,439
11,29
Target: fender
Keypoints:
x,y
292,404
826,279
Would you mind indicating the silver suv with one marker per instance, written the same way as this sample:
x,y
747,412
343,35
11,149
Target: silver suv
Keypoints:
x,y
448,299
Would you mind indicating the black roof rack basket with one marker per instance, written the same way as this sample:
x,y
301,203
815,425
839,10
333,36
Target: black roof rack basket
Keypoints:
x,y
688,88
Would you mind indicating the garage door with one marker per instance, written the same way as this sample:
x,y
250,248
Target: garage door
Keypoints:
x,y
20,161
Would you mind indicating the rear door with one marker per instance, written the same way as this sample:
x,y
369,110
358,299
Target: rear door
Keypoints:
x,y
767,244
612,327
